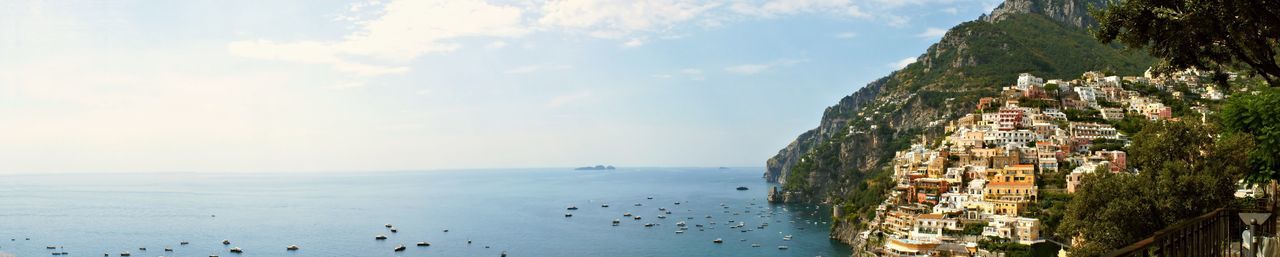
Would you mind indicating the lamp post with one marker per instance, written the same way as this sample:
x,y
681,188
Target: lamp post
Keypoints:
x,y
1252,219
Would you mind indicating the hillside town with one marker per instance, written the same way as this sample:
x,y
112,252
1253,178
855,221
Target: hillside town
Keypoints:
x,y
977,183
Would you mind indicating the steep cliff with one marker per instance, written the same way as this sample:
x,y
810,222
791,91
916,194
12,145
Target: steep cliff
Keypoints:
x,y
1073,12
842,161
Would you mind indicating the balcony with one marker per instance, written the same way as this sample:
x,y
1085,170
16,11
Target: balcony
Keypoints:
x,y
1216,233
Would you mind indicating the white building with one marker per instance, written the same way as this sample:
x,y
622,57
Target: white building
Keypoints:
x,y
1019,229
1026,81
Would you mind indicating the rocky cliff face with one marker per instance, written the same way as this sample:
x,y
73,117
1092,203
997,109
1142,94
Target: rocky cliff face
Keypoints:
x,y
843,161
1073,12
833,119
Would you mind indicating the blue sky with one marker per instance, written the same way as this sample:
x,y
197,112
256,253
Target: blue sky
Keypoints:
x,y
245,86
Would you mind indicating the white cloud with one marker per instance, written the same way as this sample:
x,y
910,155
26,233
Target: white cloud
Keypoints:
x,y
617,19
932,33
661,76
902,63
791,7
496,45
952,10
386,37
694,74
896,21
749,69
846,35
404,31
635,42
536,68
564,99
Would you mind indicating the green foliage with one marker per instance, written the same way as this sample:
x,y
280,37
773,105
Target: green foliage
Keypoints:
x,y
1012,249
1107,144
1052,88
1050,209
1257,117
936,99
1131,124
1086,115
1211,34
1185,171
973,229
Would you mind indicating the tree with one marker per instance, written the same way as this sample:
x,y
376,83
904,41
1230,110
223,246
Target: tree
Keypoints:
x,y
1257,117
1184,171
1210,34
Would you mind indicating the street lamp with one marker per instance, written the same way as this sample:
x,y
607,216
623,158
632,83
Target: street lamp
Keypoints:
x,y
1252,219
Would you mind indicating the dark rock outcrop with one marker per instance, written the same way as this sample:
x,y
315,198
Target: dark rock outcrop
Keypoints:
x,y
1073,12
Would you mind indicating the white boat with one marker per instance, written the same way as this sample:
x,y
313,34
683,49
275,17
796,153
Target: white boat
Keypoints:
x,y
571,207
424,243
718,241
387,225
782,247
236,250
292,248
380,237
616,222
399,248
226,242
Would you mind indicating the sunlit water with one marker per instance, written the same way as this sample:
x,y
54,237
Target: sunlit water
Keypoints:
x,y
520,211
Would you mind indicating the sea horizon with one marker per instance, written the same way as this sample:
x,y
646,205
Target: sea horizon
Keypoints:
x,y
520,211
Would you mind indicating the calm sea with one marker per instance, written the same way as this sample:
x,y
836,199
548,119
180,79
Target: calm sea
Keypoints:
x,y
520,211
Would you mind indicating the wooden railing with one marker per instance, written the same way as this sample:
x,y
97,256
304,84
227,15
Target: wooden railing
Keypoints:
x,y
1217,233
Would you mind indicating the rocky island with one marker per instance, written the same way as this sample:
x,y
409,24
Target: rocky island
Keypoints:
x,y
597,167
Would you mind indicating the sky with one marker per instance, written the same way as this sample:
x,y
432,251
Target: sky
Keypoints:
x,y
325,85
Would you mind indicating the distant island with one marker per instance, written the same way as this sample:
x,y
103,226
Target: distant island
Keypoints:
x,y
597,167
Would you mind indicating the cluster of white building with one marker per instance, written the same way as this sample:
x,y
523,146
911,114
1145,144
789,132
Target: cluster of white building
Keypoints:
x,y
984,171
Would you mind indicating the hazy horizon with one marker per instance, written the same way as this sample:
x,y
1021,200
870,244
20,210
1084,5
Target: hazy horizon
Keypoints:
x,y
302,86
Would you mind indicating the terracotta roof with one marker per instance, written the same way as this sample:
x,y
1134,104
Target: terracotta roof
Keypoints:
x,y
933,216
